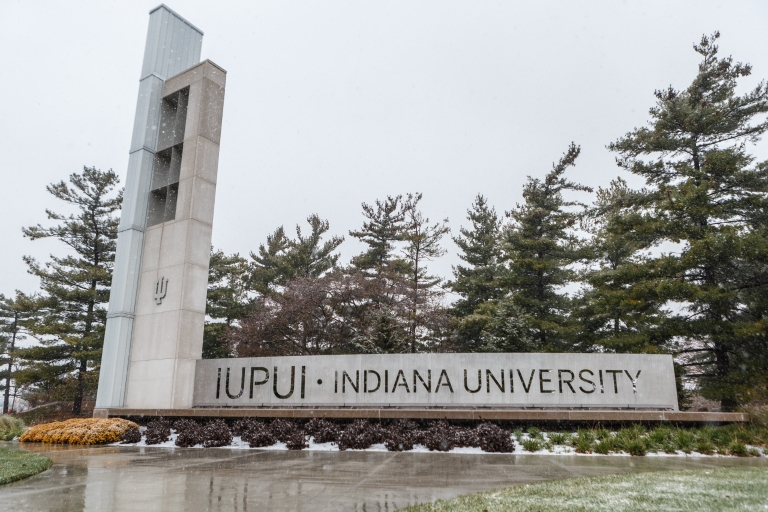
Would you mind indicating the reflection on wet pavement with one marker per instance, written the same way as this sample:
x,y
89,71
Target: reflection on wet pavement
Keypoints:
x,y
133,478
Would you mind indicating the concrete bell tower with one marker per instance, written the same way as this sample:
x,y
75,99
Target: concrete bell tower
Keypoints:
x,y
154,331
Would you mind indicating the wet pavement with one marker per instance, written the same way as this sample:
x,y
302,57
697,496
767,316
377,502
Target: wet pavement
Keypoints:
x,y
148,479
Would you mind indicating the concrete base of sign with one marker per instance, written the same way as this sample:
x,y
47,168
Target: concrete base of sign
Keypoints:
x,y
529,415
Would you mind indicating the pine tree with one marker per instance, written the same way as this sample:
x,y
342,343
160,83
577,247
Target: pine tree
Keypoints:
x,y
309,256
283,259
382,230
14,315
505,327
541,248
71,312
478,283
227,300
422,245
269,267
707,198
614,315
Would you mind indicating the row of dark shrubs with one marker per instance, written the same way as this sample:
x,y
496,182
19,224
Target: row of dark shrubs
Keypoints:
x,y
358,435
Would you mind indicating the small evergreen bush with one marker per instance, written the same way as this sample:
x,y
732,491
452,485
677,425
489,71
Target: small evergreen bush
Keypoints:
x,y
158,431
257,434
401,435
282,429
239,427
467,437
189,433
440,436
494,439
216,433
322,430
296,440
131,436
359,435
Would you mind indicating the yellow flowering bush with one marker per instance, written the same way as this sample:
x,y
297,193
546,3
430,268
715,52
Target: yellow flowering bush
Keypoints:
x,y
79,431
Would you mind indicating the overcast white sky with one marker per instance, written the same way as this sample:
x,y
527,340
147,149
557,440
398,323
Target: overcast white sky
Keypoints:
x,y
332,103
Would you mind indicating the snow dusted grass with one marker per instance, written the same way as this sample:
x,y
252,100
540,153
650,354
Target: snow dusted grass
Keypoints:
x,y
699,490
17,464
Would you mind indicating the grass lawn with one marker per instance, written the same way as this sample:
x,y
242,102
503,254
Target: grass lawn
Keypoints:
x,y
16,464
699,490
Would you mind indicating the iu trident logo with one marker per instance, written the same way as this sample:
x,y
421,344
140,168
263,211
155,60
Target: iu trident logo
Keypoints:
x,y
161,288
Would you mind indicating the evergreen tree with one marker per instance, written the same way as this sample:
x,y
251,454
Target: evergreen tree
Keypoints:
x,y
478,283
269,267
71,312
283,259
227,300
309,256
422,245
707,198
541,248
505,327
382,230
14,315
615,315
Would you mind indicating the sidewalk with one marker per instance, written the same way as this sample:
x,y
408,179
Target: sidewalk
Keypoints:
x,y
147,479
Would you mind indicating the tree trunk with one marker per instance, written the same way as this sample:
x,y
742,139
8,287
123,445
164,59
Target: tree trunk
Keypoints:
x,y
7,397
77,406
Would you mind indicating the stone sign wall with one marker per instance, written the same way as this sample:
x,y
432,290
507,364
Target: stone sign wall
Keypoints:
x,y
458,380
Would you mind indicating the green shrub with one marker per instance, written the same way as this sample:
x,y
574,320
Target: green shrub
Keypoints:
x,y
754,452
586,435
519,435
637,447
669,447
602,434
722,438
661,436
583,445
704,446
531,444
534,433
737,449
603,448
626,437
559,438
10,427
684,439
